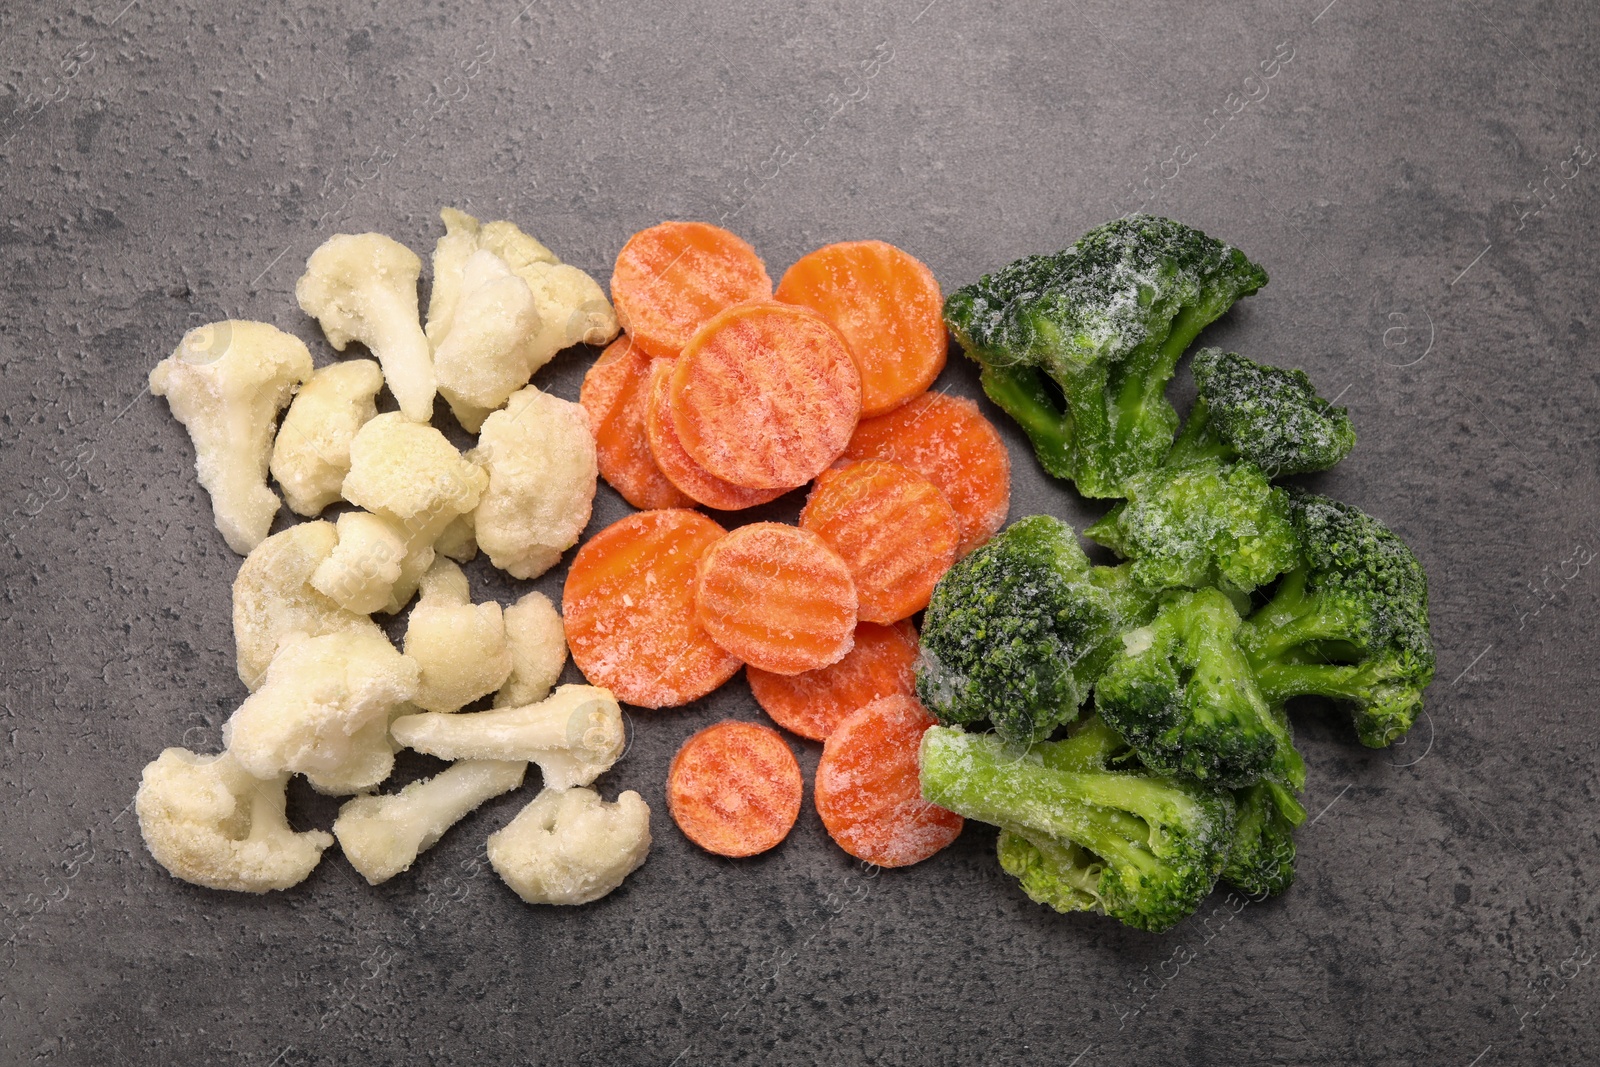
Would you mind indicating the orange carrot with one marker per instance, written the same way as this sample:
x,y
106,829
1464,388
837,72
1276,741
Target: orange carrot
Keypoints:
x,y
629,609
813,704
949,442
682,471
734,788
777,596
615,393
867,789
887,304
765,395
893,528
674,276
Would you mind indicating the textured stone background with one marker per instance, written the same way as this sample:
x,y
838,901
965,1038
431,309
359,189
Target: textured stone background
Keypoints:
x,y
1420,181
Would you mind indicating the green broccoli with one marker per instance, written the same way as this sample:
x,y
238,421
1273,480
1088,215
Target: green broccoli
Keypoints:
x,y
1261,859
1349,623
1016,632
1136,846
1078,347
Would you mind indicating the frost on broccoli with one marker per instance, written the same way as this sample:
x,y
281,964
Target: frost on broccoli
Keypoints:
x,y
1261,859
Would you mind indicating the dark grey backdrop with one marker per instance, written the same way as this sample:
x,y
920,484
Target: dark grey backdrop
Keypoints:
x,y
1418,178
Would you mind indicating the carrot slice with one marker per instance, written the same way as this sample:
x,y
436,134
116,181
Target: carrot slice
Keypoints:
x,y
673,276
948,441
734,788
629,610
766,395
887,305
892,527
616,393
777,596
867,788
677,466
814,703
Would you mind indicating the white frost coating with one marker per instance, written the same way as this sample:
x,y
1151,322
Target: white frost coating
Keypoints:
x,y
538,651
1136,641
363,287
361,572
486,354
383,836
312,452
323,711
208,821
274,601
460,646
570,847
226,383
540,456
574,735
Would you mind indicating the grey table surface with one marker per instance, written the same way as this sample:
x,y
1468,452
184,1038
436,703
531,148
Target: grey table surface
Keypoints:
x,y
1417,178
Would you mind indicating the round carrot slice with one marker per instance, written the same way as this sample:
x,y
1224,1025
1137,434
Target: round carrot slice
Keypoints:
x,y
947,440
867,789
616,393
734,788
778,597
674,276
887,305
677,466
892,527
629,610
812,704
766,395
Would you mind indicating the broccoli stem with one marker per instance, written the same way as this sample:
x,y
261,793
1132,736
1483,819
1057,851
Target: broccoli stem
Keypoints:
x,y
1196,442
1090,748
1280,681
1020,393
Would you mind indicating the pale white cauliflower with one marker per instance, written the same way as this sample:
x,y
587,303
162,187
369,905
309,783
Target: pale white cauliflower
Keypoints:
x,y
487,353
311,454
538,651
361,572
459,541
570,847
460,646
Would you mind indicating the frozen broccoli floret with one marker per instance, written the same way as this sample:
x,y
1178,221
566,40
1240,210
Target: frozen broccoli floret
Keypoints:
x,y
1261,859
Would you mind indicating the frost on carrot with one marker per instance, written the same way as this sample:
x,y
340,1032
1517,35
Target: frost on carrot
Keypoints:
x,y
616,393
673,276
811,704
678,466
734,788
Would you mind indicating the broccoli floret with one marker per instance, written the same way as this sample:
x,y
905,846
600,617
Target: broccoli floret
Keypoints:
x,y
1349,623
1139,847
1015,632
1261,860
1268,415
1078,347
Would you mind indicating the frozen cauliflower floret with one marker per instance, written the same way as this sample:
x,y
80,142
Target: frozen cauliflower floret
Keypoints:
x,y
459,541
383,836
486,354
540,456
208,821
460,646
226,383
312,452
361,572
273,599
363,287
570,847
324,712
538,651
574,735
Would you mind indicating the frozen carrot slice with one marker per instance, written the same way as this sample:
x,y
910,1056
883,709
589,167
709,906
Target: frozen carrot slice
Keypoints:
x,y
892,527
616,393
766,395
778,597
629,610
867,788
672,277
734,788
887,305
814,703
677,466
947,440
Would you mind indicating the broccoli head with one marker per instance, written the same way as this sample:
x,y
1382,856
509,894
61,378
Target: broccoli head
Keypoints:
x,y
1139,847
1079,346
1268,415
1349,623
1261,859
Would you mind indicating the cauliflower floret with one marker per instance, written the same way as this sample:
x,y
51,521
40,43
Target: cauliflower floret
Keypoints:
x,y
486,354
570,847
540,456
363,287
383,836
460,646
226,383
324,711
208,821
459,541
538,651
362,571
574,735
312,452
273,598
